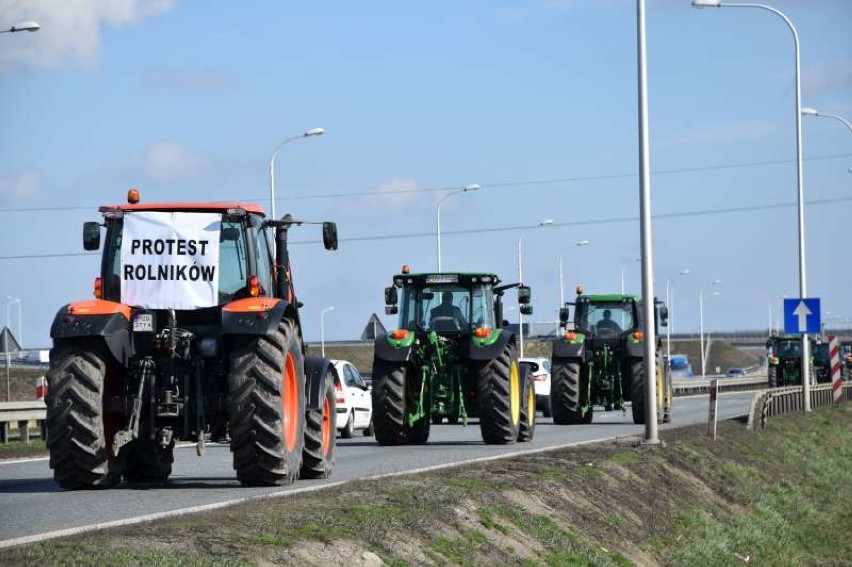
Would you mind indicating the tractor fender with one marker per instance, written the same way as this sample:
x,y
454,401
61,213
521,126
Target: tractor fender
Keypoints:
x,y
96,318
564,349
316,372
635,349
254,315
492,350
384,350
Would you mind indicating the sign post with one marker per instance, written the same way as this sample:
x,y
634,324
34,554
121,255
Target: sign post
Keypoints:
x,y
836,383
714,406
802,317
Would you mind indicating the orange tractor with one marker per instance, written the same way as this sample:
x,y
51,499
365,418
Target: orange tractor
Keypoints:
x,y
193,334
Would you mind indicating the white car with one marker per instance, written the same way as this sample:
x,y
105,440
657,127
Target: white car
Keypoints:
x,y
354,401
539,369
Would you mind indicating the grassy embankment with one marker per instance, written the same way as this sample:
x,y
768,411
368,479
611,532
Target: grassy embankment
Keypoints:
x,y
778,497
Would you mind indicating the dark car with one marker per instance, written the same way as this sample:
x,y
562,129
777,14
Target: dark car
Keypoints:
x,y
736,372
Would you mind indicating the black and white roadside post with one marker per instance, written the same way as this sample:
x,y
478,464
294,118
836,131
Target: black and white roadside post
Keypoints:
x,y
651,430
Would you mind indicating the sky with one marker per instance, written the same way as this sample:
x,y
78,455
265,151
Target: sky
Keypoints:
x,y
536,101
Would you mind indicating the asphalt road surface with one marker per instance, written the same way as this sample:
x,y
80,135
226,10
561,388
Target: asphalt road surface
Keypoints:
x,y
32,506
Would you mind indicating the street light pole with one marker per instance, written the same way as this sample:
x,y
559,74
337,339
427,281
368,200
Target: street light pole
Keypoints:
x,y
465,189
23,26
20,335
701,322
307,134
623,270
561,279
803,286
670,306
545,222
813,112
322,328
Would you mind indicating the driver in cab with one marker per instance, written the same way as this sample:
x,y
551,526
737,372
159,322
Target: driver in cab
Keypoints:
x,y
446,310
607,325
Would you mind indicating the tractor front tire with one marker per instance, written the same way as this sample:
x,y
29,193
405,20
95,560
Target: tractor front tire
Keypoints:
x,y
147,462
526,428
80,432
266,403
772,375
320,435
565,390
499,395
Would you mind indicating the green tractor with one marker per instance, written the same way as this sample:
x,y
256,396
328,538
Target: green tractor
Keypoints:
x,y
452,358
601,361
846,360
785,361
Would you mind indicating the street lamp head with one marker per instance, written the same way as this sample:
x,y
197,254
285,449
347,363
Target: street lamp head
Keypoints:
x,y
25,26
583,243
706,4
546,222
471,187
315,132
716,282
807,111
685,272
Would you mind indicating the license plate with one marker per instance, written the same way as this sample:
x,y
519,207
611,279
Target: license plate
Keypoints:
x,y
143,322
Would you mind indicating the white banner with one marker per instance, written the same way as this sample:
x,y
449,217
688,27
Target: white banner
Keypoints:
x,y
170,260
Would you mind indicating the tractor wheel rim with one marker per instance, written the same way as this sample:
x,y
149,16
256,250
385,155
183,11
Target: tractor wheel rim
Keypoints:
x,y
290,403
326,426
515,393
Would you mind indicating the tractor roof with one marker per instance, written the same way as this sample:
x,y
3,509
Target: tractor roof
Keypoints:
x,y
446,278
186,207
611,297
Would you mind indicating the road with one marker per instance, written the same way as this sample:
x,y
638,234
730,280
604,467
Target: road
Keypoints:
x,y
32,506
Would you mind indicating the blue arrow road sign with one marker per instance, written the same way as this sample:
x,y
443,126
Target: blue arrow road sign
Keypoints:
x,y
801,315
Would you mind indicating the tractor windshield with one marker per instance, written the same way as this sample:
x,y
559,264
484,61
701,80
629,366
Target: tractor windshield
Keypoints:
x,y
446,308
231,272
606,318
788,349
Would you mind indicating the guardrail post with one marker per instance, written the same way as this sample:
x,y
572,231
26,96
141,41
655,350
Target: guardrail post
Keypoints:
x,y
24,430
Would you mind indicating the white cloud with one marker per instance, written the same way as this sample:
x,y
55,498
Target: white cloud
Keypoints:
x,y
193,80
393,195
718,133
21,186
167,160
70,29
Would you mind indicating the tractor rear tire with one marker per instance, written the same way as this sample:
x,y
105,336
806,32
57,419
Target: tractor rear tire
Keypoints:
x,y
526,428
320,435
418,433
389,383
772,375
499,394
147,462
565,390
637,390
80,431
266,404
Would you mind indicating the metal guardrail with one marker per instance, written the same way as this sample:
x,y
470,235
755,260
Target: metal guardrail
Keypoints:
x,y
790,399
700,386
23,413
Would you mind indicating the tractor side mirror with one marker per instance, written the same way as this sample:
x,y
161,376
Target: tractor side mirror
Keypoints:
x,y
664,316
391,297
524,295
564,314
329,235
391,310
91,236
526,309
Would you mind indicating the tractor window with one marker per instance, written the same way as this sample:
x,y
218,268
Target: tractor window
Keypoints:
x,y
264,270
482,301
608,318
233,261
789,349
445,308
